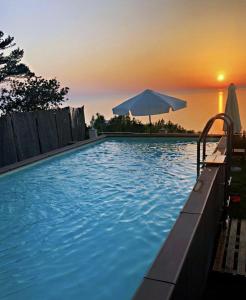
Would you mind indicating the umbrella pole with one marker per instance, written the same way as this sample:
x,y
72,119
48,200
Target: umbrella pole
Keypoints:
x,y
150,124
149,119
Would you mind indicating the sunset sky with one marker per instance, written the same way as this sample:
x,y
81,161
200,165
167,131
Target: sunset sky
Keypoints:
x,y
107,47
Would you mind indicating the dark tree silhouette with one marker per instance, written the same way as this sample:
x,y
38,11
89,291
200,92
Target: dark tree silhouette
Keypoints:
x,y
10,61
98,122
126,124
34,93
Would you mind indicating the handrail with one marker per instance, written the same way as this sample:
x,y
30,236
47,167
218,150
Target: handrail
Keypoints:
x,y
219,116
203,138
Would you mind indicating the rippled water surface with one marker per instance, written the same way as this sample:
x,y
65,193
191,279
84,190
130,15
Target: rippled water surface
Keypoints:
x,y
88,224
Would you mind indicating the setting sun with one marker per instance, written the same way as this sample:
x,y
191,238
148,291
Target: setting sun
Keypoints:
x,y
221,77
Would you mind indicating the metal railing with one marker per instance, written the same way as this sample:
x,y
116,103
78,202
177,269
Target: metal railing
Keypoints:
x,y
203,139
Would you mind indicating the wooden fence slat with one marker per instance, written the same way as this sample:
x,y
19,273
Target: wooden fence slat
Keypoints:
x,y
47,131
8,153
242,249
231,247
25,133
63,125
83,122
220,251
74,125
78,123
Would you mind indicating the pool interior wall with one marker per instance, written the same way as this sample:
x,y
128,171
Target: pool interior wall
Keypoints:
x,y
89,223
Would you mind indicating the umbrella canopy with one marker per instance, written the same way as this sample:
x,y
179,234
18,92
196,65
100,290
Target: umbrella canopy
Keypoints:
x,y
232,109
149,103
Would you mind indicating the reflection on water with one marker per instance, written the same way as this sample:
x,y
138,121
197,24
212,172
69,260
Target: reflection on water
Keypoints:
x,y
221,109
220,102
201,105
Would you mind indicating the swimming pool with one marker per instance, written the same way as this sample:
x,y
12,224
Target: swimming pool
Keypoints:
x,y
89,223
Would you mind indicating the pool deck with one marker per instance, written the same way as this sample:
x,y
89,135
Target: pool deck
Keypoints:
x,y
228,276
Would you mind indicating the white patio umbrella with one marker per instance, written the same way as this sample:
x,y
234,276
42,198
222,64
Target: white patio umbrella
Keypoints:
x,y
232,109
149,103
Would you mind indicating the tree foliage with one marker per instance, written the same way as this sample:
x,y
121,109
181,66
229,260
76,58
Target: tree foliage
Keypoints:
x,y
20,89
34,93
10,61
126,124
98,122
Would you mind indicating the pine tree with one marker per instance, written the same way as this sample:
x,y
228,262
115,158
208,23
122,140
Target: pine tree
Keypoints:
x,y
33,93
10,61
28,92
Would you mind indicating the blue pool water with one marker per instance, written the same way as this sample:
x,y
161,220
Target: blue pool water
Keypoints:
x,y
88,224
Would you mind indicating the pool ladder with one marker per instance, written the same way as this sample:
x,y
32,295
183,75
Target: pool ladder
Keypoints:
x,y
228,154
203,139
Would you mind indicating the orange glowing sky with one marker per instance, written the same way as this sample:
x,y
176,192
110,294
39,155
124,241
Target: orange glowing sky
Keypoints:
x,y
105,46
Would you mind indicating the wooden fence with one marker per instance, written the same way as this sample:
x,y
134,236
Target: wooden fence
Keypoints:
x,y
24,135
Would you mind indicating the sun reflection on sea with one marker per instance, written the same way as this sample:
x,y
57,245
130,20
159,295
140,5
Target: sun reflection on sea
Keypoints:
x,y
220,110
220,101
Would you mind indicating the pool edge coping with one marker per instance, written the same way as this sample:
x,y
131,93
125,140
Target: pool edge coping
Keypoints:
x,y
176,271
166,135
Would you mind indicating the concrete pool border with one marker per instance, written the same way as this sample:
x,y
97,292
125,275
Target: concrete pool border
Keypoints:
x,y
171,135
181,268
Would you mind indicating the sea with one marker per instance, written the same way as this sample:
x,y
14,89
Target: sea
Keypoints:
x,y
202,104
